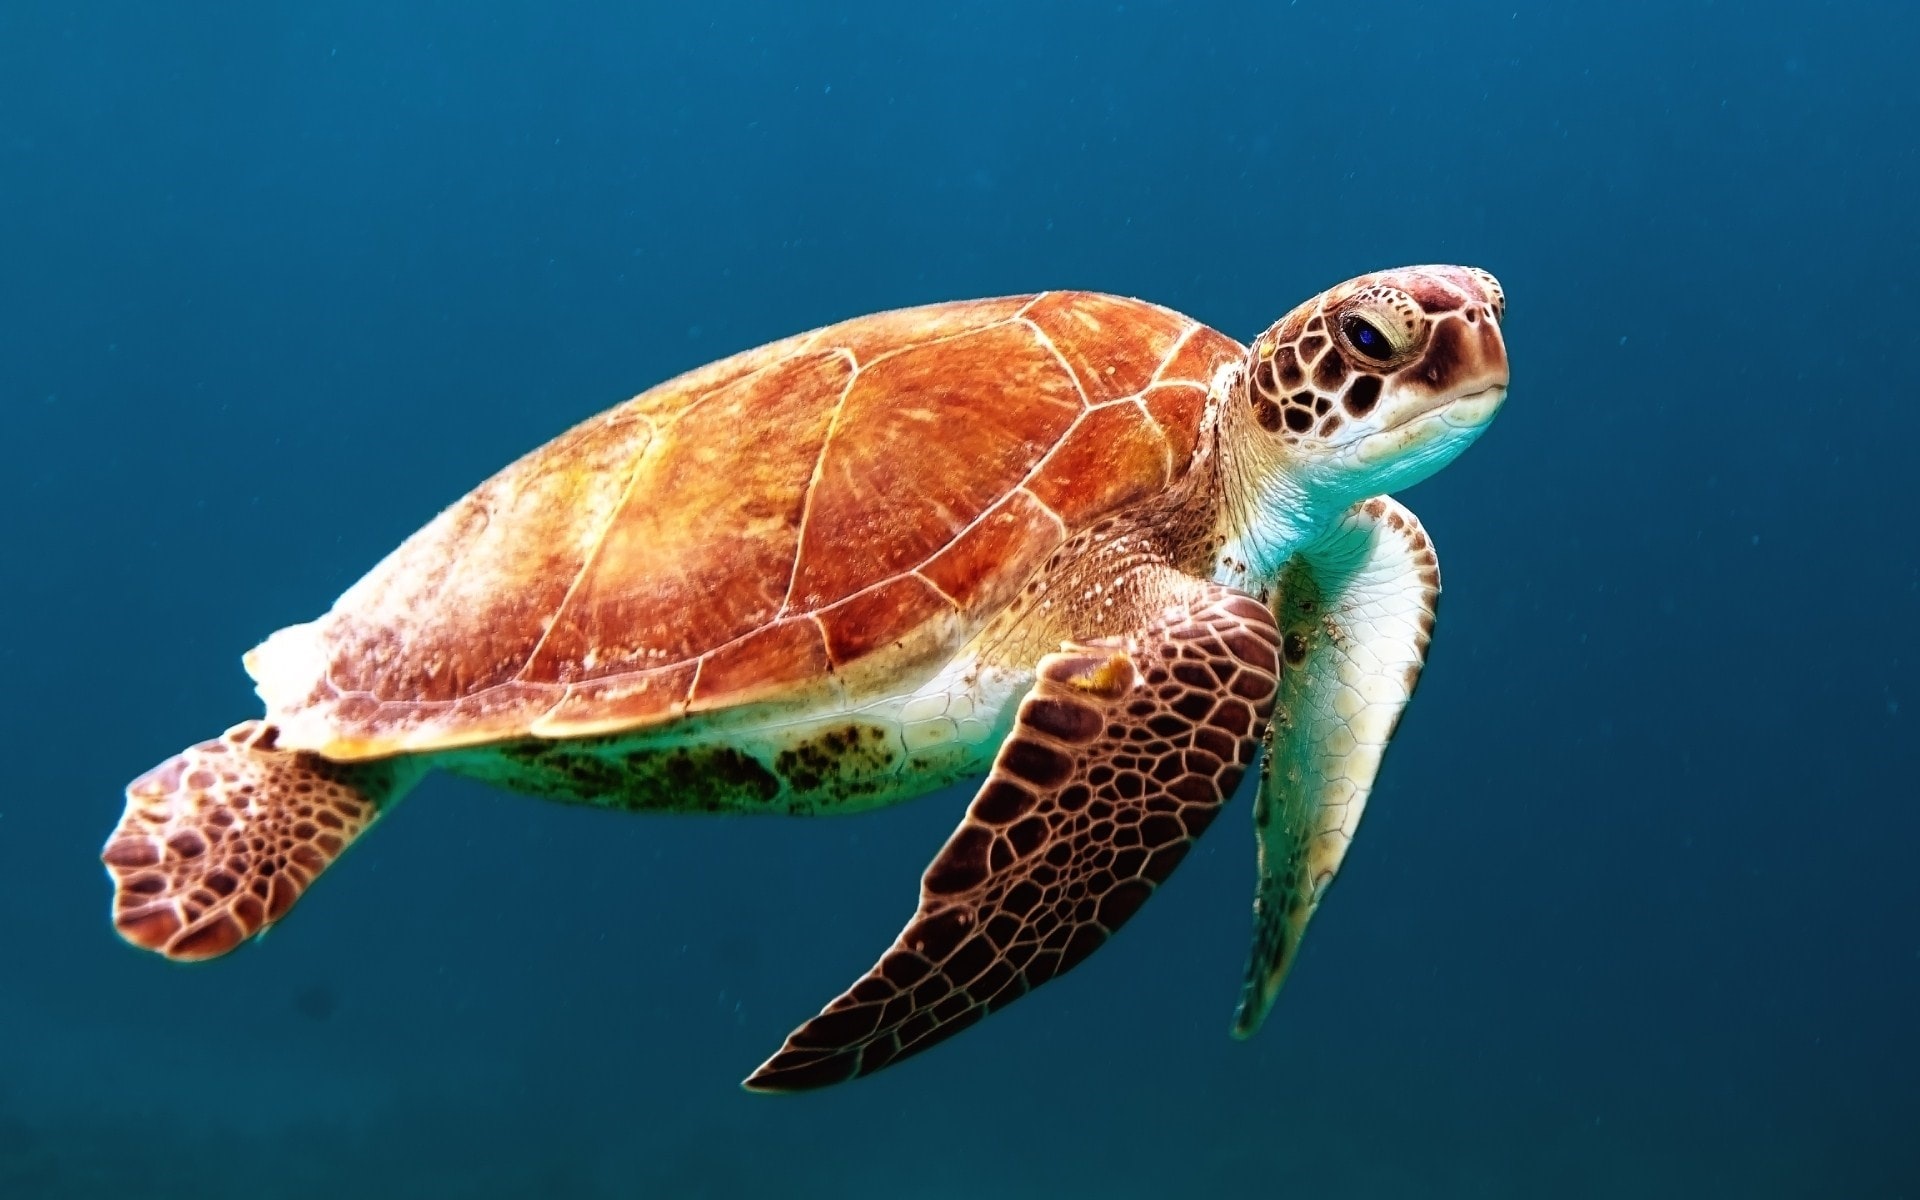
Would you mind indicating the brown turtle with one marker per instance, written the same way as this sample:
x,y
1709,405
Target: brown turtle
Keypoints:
x,y
1080,543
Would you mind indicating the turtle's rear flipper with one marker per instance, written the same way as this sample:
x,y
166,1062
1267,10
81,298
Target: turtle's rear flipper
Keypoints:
x,y
218,842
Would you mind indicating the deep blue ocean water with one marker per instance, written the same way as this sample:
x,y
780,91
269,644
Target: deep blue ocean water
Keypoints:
x,y
1635,911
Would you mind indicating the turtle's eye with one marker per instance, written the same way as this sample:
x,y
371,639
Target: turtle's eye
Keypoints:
x,y
1367,339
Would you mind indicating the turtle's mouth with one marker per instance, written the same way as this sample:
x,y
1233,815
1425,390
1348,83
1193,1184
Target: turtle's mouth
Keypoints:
x,y
1454,419
1474,408
1459,410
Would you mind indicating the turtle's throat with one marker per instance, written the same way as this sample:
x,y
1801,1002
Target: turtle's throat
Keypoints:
x,y
1267,517
1273,502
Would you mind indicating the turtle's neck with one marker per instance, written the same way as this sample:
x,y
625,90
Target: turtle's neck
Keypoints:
x,y
1271,506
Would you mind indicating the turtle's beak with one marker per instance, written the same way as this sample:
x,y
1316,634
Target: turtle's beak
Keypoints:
x,y
1475,409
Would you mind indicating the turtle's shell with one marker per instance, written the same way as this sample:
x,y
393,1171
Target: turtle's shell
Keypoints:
x,y
829,512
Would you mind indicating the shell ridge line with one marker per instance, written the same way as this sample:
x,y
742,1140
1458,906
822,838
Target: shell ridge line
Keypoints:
x,y
915,572
693,685
656,426
918,569
1066,435
990,649
810,343
1024,309
1173,352
592,555
961,529
1019,487
1079,385
698,659
800,351
939,591
1139,401
876,585
1046,508
704,655
941,339
813,480
836,684
969,526
819,466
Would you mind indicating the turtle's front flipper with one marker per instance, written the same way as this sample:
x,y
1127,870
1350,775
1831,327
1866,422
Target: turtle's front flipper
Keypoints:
x,y
218,841
1121,754
1356,614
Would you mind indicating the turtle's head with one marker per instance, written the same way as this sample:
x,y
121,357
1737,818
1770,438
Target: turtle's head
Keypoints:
x,y
1369,387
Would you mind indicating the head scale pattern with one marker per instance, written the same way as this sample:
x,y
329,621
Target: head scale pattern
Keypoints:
x,y
1326,363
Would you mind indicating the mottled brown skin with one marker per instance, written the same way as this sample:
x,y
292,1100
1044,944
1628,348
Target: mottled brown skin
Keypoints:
x,y
207,855
1120,758
1310,378
905,475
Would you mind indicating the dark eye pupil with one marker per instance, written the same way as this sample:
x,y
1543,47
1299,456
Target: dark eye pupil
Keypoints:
x,y
1368,340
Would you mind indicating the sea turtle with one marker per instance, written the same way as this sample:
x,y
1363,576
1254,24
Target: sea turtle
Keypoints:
x,y
1081,543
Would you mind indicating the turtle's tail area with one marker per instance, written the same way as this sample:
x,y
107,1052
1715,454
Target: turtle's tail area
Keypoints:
x,y
218,842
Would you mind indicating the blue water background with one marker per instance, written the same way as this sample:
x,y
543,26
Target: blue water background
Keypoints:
x,y
1635,911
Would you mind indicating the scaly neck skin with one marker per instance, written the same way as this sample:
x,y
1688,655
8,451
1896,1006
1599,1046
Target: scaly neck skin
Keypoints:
x,y
1272,505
